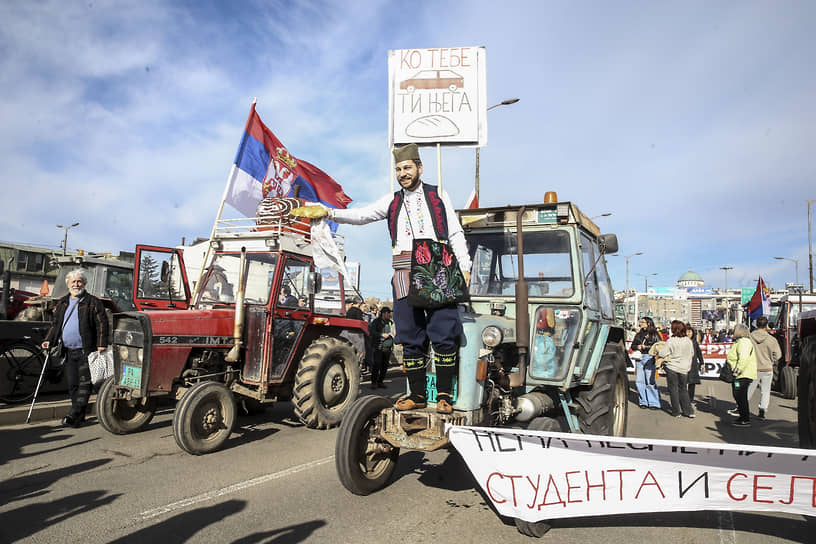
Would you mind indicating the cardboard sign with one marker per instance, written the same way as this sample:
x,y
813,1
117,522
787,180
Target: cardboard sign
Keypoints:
x,y
536,475
437,96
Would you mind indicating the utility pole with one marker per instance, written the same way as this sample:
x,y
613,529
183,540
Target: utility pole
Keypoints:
x,y
810,248
725,298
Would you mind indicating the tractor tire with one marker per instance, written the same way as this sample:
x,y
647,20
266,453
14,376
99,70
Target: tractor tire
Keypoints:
x,y
602,408
788,382
544,424
807,394
327,383
364,463
535,529
119,416
204,418
21,364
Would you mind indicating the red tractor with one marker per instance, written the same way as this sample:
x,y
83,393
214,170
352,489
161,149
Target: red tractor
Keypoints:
x,y
259,329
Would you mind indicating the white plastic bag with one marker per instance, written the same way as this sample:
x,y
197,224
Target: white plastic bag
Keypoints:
x,y
101,365
636,355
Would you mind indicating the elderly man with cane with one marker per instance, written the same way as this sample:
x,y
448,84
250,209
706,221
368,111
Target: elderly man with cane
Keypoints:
x,y
80,327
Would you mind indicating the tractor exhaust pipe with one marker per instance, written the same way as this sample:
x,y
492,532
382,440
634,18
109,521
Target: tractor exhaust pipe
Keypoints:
x,y
238,331
522,312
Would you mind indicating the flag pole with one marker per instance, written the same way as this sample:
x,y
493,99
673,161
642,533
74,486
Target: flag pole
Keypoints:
x,y
439,166
204,263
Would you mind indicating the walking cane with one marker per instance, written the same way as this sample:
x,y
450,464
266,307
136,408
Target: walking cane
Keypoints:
x,y
39,383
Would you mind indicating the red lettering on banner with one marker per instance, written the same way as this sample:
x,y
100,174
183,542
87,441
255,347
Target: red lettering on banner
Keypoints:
x,y
570,487
728,486
620,472
551,483
757,487
490,492
653,482
602,485
793,483
534,486
513,486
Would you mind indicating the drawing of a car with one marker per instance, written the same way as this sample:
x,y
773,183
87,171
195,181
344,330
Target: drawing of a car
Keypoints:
x,y
433,79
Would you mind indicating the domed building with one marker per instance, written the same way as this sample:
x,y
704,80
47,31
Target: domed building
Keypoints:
x,y
690,279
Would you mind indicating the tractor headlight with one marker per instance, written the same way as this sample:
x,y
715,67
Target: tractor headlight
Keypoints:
x,y
140,355
123,353
491,336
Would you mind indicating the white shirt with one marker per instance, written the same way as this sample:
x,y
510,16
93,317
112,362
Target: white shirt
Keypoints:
x,y
421,225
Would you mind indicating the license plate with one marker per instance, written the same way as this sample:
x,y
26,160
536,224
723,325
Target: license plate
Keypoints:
x,y
430,388
131,377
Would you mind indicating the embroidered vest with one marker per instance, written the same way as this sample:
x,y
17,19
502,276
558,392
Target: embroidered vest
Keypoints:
x,y
439,218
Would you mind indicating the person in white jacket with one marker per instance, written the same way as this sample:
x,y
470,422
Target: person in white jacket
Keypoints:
x,y
678,353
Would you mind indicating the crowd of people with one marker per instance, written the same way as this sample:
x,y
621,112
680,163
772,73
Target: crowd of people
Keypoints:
x,y
751,358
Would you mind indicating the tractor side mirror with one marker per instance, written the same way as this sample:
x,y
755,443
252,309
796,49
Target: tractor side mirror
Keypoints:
x,y
314,283
608,243
165,271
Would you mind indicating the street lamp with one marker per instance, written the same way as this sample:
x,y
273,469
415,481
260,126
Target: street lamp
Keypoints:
x,y
607,214
65,240
646,281
506,102
625,303
795,262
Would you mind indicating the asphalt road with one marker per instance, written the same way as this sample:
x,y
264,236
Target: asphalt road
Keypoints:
x,y
275,482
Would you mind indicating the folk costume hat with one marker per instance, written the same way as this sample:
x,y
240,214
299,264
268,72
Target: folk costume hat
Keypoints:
x,y
407,152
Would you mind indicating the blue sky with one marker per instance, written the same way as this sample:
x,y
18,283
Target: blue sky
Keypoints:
x,y
691,122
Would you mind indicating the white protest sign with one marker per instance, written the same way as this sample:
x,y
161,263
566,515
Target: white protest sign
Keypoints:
x,y
437,96
536,475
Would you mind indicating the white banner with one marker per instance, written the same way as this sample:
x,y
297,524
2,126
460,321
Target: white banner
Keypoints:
x,y
536,475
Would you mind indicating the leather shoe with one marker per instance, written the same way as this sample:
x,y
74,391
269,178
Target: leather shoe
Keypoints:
x,y
68,421
407,403
443,407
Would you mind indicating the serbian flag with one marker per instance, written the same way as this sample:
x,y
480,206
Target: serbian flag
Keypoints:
x,y
760,303
263,167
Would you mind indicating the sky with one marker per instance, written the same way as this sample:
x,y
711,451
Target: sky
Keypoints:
x,y
691,123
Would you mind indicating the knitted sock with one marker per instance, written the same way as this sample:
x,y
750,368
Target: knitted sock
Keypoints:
x,y
415,370
445,364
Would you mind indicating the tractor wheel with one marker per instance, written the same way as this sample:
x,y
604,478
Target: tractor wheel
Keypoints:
x,y
364,463
535,529
120,416
204,418
807,394
327,383
544,424
602,407
20,368
788,382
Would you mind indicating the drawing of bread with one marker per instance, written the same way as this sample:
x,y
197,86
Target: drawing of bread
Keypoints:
x,y
431,126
